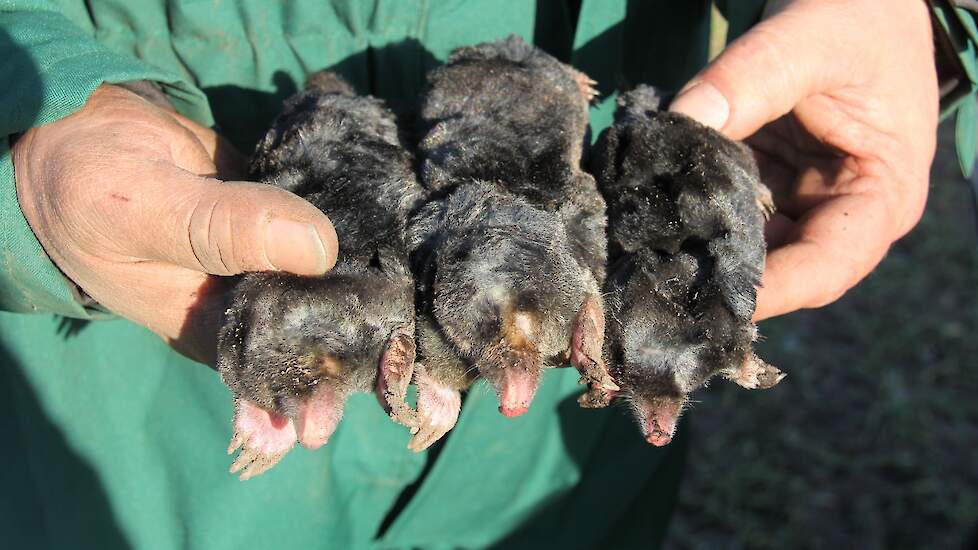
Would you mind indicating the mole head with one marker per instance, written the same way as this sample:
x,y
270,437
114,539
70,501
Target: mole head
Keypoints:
x,y
506,300
286,335
657,360
656,380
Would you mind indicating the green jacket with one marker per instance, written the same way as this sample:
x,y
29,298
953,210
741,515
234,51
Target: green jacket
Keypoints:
x,y
112,440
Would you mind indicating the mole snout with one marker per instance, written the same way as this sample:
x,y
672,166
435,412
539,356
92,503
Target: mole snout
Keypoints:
x,y
513,366
517,389
658,417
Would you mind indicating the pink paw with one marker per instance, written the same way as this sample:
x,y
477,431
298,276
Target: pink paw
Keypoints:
x,y
265,437
586,344
438,409
393,377
586,85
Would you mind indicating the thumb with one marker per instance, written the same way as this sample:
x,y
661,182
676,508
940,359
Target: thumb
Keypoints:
x,y
759,77
227,228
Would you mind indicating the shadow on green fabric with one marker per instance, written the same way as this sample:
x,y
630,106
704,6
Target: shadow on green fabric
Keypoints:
x,y
69,327
21,82
671,61
622,473
360,69
69,496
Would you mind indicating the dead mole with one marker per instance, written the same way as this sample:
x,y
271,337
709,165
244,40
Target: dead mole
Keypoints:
x,y
686,213
293,348
510,250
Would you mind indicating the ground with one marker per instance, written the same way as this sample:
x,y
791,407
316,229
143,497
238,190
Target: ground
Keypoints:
x,y
872,440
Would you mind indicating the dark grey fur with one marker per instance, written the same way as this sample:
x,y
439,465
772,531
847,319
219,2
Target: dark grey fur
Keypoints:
x,y
344,155
514,223
686,246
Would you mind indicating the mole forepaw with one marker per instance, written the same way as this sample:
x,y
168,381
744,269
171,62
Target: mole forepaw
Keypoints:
x,y
394,375
596,398
587,342
586,85
764,200
263,436
755,374
438,410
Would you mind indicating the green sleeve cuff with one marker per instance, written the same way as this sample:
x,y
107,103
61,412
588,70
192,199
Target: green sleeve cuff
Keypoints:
x,y
29,282
49,67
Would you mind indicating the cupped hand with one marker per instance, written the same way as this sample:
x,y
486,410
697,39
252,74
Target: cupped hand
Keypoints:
x,y
839,99
123,197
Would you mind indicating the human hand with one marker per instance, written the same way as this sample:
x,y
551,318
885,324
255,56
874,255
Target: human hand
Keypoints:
x,y
122,195
839,99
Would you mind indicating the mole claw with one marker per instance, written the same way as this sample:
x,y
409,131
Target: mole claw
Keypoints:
x,y
427,437
415,443
260,465
438,410
595,398
395,372
262,438
245,458
251,471
401,413
756,374
586,85
235,443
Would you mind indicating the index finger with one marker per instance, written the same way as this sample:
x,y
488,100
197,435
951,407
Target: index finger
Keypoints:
x,y
831,249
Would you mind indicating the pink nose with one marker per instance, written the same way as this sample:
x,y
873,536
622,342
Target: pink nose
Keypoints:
x,y
512,411
516,391
659,431
659,439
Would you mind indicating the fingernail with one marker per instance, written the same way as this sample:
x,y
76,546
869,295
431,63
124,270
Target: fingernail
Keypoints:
x,y
704,103
295,247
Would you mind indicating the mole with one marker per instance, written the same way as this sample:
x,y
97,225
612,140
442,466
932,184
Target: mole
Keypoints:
x,y
686,214
509,251
292,348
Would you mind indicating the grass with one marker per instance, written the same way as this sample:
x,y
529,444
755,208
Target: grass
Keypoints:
x,y
872,440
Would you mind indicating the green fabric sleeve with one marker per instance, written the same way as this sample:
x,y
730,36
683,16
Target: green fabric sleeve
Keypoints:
x,y
49,66
29,282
